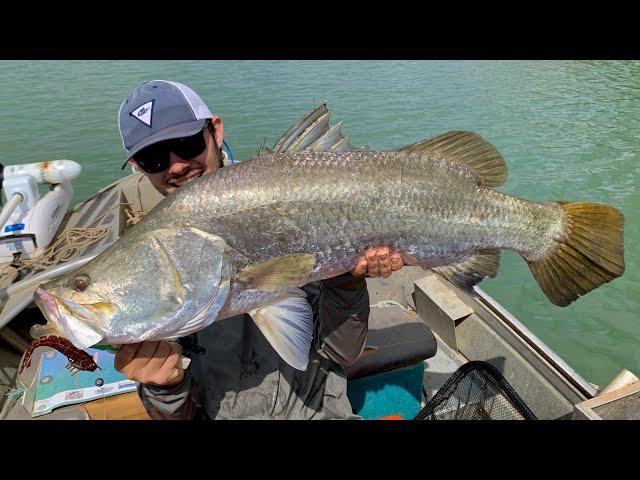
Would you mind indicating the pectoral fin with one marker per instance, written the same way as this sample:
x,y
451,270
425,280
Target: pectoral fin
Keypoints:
x,y
278,273
288,326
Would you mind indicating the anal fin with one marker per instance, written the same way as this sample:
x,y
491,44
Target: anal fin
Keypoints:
x,y
473,269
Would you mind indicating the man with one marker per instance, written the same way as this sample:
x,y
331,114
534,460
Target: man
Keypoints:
x,y
170,135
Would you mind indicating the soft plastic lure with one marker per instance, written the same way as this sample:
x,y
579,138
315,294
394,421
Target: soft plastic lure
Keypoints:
x,y
78,359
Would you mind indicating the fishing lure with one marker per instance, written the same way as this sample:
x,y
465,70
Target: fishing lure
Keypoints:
x,y
78,359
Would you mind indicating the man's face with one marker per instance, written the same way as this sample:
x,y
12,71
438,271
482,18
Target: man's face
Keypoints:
x,y
181,171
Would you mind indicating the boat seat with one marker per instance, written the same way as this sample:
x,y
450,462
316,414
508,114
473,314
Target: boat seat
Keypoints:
x,y
395,339
387,380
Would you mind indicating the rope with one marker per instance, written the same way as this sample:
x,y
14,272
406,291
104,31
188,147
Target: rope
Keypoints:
x,y
134,216
67,247
392,303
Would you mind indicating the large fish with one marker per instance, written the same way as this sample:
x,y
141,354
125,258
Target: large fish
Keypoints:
x,y
245,238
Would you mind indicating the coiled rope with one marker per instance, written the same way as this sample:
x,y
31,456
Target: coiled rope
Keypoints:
x,y
67,247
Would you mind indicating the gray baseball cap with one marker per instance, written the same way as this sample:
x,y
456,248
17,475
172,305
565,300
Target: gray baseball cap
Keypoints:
x,y
159,110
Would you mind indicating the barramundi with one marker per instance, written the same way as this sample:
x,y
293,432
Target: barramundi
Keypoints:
x,y
245,238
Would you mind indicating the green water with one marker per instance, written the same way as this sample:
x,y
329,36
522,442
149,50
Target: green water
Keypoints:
x,y
568,130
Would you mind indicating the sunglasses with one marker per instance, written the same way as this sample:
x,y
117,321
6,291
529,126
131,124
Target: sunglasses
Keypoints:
x,y
156,158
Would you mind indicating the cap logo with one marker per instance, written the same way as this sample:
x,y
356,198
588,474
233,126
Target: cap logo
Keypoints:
x,y
144,113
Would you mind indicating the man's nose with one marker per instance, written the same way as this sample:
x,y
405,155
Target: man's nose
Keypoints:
x,y
177,164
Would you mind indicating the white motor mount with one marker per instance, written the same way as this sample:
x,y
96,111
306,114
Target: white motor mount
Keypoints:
x,y
29,222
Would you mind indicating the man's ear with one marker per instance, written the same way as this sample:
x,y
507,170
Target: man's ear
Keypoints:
x,y
135,164
219,129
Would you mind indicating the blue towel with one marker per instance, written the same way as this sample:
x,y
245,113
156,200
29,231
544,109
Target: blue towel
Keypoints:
x,y
397,392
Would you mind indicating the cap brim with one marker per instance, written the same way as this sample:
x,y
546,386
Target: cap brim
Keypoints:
x,y
176,131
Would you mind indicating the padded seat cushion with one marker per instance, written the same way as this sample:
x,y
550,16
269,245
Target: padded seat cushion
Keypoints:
x,y
399,340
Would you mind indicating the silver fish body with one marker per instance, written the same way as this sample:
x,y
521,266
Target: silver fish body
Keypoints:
x,y
335,205
242,239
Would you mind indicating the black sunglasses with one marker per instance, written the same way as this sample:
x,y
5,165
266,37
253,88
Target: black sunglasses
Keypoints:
x,y
156,158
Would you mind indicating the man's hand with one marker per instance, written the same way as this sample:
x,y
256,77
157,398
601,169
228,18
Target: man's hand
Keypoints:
x,y
377,262
151,363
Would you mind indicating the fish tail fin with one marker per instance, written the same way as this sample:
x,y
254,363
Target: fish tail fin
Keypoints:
x,y
589,254
472,270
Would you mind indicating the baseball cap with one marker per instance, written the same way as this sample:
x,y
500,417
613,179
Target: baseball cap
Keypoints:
x,y
159,110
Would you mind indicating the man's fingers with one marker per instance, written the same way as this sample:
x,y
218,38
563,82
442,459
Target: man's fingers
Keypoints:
x,y
396,262
170,372
153,363
144,354
125,354
158,359
175,376
378,262
384,271
384,263
361,268
173,359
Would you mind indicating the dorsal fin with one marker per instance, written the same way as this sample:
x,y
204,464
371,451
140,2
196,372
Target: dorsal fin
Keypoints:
x,y
312,133
298,128
469,149
263,150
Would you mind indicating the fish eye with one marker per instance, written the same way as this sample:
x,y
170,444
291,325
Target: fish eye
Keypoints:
x,y
80,283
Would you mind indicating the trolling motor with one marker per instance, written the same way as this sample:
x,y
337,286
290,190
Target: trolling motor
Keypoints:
x,y
29,222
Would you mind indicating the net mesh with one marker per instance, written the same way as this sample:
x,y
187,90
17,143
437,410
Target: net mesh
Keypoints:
x,y
476,391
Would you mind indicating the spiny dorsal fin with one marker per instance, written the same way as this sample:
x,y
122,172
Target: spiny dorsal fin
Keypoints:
x,y
472,270
298,128
469,149
263,150
278,273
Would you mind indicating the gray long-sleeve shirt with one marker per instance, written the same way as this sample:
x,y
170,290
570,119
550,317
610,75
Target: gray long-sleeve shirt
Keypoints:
x,y
239,374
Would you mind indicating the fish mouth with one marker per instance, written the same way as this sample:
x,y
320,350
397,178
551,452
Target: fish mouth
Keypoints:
x,y
77,323
47,305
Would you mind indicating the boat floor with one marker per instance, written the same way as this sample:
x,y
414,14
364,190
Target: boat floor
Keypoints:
x,y
440,367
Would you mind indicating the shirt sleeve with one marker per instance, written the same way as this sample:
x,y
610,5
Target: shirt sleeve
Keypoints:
x,y
175,403
341,305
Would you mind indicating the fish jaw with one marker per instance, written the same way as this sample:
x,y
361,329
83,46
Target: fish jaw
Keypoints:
x,y
71,320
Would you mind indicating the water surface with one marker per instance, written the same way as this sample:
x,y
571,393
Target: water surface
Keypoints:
x,y
568,130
